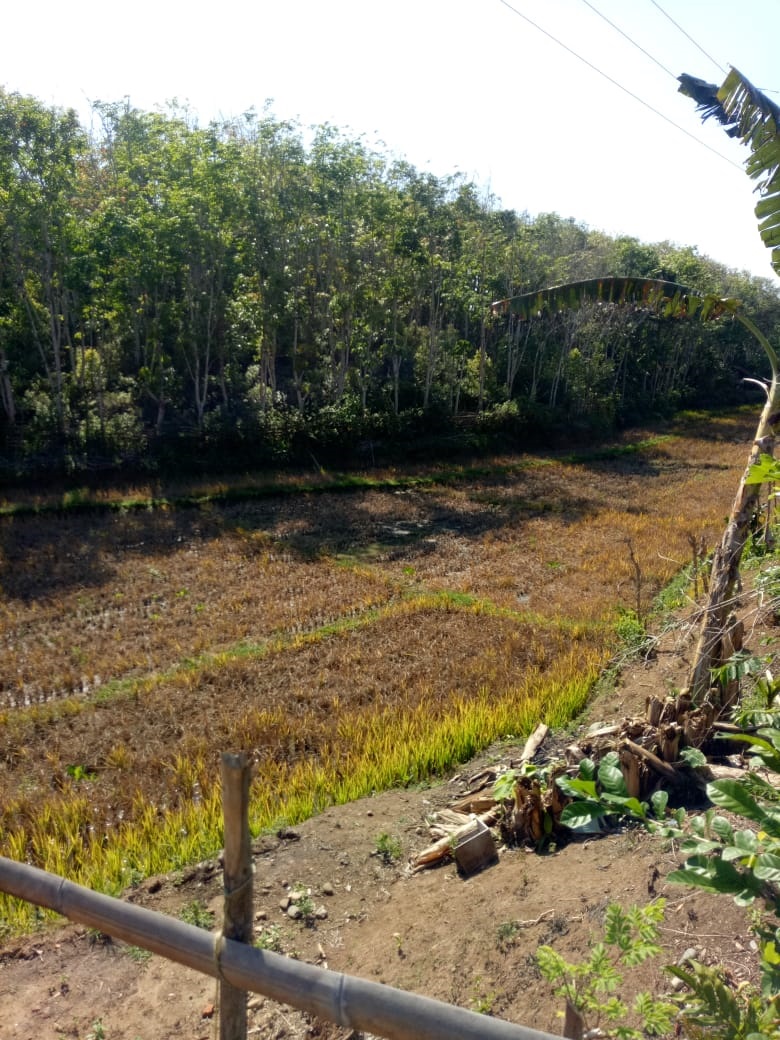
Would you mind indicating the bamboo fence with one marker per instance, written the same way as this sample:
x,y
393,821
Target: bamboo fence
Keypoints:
x,y
228,956
346,1000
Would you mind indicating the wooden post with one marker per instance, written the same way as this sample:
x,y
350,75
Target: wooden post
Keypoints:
x,y
238,919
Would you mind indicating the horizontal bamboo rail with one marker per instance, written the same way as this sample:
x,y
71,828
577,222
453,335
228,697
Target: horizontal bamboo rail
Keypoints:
x,y
348,1001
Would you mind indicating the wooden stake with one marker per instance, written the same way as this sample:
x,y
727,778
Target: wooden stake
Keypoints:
x,y
573,1023
237,921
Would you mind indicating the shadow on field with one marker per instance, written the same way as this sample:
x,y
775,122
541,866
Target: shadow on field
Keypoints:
x,y
49,554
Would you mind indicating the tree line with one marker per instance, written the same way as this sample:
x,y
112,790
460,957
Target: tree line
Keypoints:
x,y
255,291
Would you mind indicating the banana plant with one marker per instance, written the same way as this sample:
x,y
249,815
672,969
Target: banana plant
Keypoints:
x,y
748,114
673,301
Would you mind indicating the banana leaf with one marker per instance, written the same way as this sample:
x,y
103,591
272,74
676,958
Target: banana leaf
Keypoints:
x,y
748,114
667,299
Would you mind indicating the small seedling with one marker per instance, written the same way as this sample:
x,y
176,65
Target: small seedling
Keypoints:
x,y
79,772
138,954
388,848
269,938
589,988
197,913
301,897
507,933
483,1003
97,1032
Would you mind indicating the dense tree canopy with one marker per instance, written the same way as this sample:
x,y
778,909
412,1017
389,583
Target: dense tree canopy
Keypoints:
x,y
254,291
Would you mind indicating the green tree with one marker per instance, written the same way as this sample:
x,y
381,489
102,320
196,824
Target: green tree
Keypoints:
x,y
671,300
39,152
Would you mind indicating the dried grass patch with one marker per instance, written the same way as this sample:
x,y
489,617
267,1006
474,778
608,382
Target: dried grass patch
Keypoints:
x,y
284,705
120,597
351,641
327,720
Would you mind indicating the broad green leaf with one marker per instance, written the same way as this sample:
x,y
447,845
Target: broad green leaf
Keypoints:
x,y
700,825
731,853
693,757
697,878
659,800
580,814
668,299
716,876
751,115
633,805
753,740
746,841
766,470
765,751
731,795
767,867
504,787
587,769
759,783
772,734
577,788
700,845
721,826
771,824
611,775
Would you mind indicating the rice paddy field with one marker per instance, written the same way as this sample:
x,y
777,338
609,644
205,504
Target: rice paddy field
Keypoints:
x,y
351,633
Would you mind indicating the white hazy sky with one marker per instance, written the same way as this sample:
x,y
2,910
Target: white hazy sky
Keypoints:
x,y
466,85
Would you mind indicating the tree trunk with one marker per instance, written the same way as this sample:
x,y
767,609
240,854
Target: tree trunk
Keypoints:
x,y
725,563
6,390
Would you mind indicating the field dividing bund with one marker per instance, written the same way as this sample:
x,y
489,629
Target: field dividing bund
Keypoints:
x,y
350,640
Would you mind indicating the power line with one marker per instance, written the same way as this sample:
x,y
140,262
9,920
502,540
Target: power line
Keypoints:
x,y
620,86
688,35
625,35
765,90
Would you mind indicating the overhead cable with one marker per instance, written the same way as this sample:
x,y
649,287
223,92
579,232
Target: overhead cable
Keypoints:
x,y
765,90
625,35
620,86
688,35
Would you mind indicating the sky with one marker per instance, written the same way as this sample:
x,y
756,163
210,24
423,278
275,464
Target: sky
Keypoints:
x,y
474,86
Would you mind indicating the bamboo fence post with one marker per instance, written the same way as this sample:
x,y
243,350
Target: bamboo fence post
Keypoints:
x,y
237,915
354,1003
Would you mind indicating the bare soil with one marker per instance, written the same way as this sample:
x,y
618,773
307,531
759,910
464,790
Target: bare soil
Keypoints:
x,y
466,940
